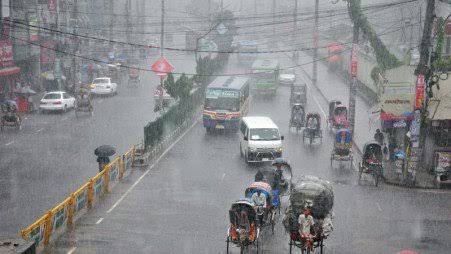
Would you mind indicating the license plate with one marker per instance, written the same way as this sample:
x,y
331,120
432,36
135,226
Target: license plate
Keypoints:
x,y
219,126
265,159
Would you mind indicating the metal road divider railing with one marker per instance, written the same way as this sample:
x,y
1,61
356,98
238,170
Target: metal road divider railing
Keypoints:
x,y
63,215
56,220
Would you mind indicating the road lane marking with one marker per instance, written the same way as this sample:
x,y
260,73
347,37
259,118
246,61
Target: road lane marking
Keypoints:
x,y
39,130
72,250
9,143
222,178
317,102
99,221
150,167
378,207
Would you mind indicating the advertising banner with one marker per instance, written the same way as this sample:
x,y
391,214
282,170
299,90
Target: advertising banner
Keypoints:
x,y
80,201
37,234
59,218
6,53
419,92
98,186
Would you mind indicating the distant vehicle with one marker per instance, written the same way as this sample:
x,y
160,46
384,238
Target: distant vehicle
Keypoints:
x,y
265,76
226,101
57,101
287,77
335,57
103,86
247,52
260,139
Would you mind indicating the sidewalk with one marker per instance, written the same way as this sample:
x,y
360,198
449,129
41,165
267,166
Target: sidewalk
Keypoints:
x,y
332,86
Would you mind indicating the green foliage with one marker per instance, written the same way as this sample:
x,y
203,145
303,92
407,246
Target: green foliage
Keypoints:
x,y
441,63
179,89
385,59
224,41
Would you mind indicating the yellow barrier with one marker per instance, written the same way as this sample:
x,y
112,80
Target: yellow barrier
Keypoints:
x,y
42,229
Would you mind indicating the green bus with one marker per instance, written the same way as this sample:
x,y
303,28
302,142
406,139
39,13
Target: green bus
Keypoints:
x,y
265,76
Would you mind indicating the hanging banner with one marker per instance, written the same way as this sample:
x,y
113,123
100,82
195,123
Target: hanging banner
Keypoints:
x,y
33,23
51,4
354,60
6,53
419,92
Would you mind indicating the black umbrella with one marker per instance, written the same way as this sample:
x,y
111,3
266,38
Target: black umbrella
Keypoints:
x,y
105,151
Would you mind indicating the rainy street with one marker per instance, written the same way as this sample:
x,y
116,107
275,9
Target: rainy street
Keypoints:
x,y
180,205
174,186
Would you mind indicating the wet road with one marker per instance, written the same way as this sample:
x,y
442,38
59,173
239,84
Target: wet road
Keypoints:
x,y
54,153
181,204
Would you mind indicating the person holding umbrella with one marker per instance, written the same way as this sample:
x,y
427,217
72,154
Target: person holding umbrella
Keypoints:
x,y
103,153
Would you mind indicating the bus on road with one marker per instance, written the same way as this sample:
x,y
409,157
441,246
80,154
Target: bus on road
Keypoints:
x,y
265,76
226,101
247,52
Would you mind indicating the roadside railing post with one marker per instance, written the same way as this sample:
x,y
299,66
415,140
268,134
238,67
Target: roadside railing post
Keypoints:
x,y
48,227
71,209
90,193
106,178
122,162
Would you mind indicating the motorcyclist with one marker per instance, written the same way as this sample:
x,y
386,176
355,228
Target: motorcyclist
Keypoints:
x,y
10,108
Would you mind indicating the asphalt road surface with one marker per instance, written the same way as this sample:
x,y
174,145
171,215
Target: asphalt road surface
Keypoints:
x,y
180,205
53,154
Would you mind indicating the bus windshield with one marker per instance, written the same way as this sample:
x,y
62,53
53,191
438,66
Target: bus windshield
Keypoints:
x,y
264,76
217,99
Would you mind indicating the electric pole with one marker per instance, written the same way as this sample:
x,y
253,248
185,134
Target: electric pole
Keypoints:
x,y
295,30
273,17
75,45
423,73
110,34
353,84
161,53
315,46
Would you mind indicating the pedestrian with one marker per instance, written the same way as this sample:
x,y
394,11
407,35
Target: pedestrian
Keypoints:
x,y
391,149
379,137
103,161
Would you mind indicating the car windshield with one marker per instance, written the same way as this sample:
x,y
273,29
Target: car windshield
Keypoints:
x,y
265,134
52,96
100,81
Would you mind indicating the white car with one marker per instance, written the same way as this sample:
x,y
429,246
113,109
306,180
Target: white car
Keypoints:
x,y
103,86
60,101
287,77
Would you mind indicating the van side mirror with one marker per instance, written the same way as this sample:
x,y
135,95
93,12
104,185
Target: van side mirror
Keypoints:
x,y
282,137
245,138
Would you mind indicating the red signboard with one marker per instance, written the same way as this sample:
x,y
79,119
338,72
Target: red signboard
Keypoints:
x,y
448,27
51,4
162,67
6,53
354,69
419,92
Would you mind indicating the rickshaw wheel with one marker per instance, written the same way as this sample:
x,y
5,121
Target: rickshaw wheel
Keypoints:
x,y
227,241
321,245
376,179
291,245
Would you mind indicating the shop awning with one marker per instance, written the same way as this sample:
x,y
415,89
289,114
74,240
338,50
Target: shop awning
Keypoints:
x,y
9,71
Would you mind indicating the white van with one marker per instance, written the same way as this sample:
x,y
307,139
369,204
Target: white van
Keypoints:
x,y
260,139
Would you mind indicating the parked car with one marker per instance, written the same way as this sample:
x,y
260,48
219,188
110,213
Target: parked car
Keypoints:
x,y
57,101
287,77
103,86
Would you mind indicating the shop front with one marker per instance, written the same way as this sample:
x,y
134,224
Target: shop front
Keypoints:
x,y
9,72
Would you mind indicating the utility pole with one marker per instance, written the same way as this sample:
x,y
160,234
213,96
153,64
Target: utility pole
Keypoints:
x,y
353,84
110,34
57,64
161,53
315,45
295,30
423,73
273,17
75,45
